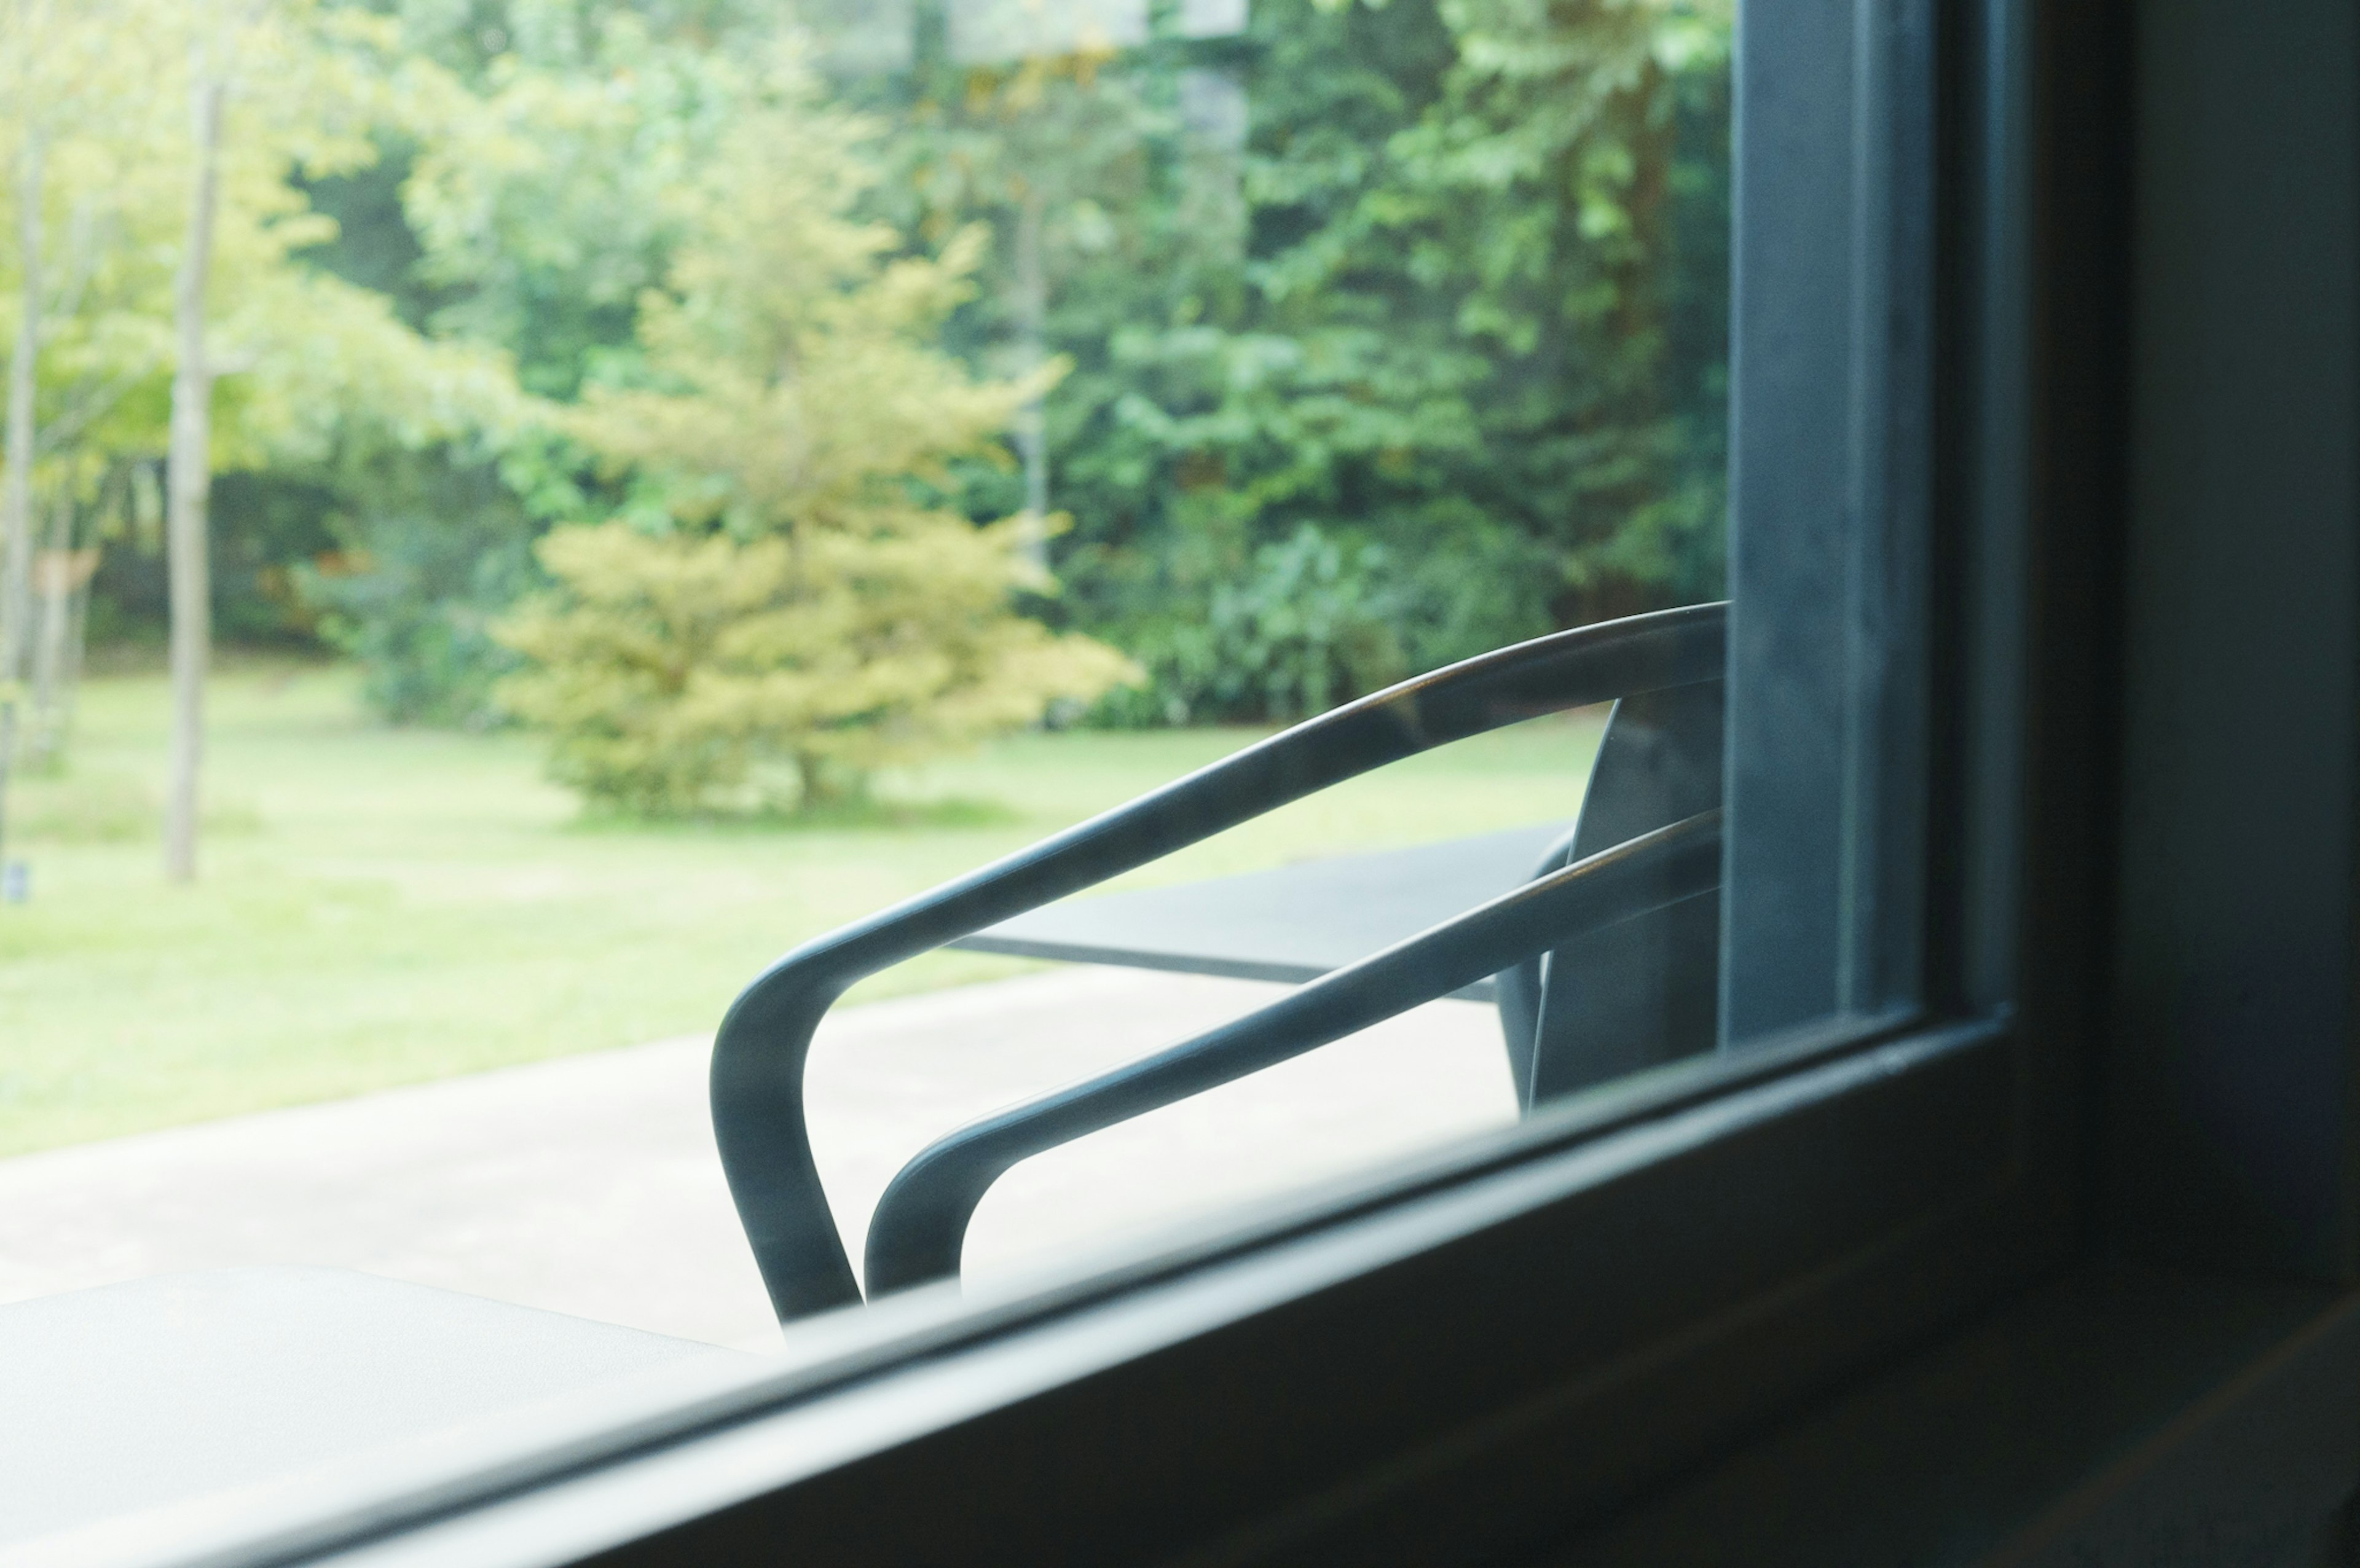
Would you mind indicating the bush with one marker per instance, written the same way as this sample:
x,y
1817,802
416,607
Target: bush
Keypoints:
x,y
1321,618
440,550
678,674
413,604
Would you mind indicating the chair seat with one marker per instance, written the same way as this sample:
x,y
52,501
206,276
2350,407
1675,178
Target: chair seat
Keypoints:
x,y
1291,924
133,1395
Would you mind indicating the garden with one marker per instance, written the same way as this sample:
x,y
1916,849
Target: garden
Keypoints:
x,y
513,512
386,905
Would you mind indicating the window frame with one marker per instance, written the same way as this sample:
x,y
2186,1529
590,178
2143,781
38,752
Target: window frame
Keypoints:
x,y
1415,1371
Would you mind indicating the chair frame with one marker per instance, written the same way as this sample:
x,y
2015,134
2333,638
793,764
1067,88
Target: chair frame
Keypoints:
x,y
760,1053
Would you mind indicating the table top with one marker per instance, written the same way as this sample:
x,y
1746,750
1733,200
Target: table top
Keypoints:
x,y
1294,923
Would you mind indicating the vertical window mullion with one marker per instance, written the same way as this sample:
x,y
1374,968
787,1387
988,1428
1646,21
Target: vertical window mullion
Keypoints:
x,y
1829,446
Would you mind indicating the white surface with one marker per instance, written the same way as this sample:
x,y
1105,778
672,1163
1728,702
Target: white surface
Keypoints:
x,y
589,1185
137,1395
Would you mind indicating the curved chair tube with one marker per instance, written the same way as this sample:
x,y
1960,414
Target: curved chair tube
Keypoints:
x,y
920,1225
758,1056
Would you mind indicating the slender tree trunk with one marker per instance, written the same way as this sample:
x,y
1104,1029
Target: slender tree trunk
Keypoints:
x,y
54,569
77,644
16,501
1031,330
189,484
17,494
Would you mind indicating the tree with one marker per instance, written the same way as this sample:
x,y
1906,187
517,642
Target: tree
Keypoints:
x,y
56,58
1388,331
17,494
189,467
523,206
17,498
1047,147
61,580
1463,370
311,353
788,586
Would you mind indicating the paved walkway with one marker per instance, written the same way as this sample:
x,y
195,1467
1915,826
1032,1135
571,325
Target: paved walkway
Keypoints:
x,y
589,1184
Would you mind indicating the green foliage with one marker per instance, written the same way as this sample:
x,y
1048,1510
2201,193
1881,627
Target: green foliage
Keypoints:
x,y
791,595
524,202
1462,321
680,673
324,384
540,200
1422,354
415,584
418,617
1317,618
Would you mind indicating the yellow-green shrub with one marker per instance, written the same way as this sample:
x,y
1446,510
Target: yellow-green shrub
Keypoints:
x,y
789,594
673,670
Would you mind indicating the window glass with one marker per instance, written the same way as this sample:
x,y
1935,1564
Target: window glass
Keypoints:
x,y
1383,337
517,513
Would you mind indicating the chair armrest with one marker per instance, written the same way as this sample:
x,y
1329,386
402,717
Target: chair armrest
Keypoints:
x,y
920,1225
759,1052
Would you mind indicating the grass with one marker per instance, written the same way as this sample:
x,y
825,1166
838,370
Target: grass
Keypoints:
x,y
380,906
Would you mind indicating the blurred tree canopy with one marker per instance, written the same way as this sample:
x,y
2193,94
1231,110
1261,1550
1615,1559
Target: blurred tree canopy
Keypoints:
x,y
304,367
1416,349
1390,330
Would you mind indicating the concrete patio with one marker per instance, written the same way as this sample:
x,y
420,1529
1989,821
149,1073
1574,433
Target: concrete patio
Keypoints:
x,y
589,1184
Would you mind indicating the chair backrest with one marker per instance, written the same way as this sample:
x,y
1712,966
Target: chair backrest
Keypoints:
x,y
919,1225
1645,991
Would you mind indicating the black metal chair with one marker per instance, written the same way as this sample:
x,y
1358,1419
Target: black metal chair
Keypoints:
x,y
1607,959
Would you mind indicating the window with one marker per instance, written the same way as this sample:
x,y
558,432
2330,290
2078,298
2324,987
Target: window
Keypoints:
x,y
1940,981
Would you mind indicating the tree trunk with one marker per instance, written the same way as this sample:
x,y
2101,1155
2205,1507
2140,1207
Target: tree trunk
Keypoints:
x,y
189,484
827,782
77,642
54,570
16,502
16,496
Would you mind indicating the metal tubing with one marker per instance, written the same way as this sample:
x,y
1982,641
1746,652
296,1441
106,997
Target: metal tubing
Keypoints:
x,y
920,1225
758,1056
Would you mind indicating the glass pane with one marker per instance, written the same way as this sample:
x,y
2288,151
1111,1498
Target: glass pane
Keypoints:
x,y
517,513
1382,337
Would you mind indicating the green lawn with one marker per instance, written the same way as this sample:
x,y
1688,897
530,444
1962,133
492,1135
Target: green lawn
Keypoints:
x,y
379,906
